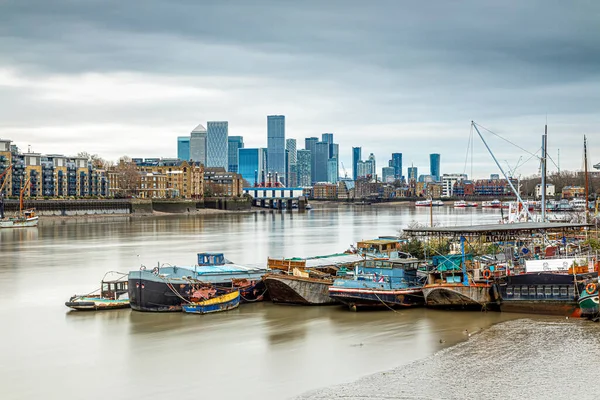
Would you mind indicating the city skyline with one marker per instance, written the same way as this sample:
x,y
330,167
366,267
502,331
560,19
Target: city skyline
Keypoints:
x,y
132,88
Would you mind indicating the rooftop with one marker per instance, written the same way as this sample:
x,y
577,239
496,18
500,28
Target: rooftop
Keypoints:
x,y
199,128
471,230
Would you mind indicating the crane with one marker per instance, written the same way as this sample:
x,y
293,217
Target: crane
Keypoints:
x,y
344,168
21,194
2,175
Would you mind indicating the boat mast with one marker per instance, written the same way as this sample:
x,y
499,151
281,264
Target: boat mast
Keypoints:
x,y
525,207
587,206
544,155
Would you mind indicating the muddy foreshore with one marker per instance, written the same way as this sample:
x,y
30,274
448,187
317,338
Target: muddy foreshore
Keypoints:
x,y
520,359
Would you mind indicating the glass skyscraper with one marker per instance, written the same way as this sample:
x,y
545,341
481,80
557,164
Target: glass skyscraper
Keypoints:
x,y
304,165
310,145
355,159
321,156
434,166
198,145
332,170
216,144
396,163
233,144
251,164
412,173
276,145
292,159
327,138
183,148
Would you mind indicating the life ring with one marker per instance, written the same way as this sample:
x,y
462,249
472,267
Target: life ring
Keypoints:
x,y
487,274
591,288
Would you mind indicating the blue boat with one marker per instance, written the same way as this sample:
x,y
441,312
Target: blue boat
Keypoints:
x,y
388,283
225,302
166,288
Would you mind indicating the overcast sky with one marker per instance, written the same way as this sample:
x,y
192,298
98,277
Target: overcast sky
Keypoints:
x,y
127,77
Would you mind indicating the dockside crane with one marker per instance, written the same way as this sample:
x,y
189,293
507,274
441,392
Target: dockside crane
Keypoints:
x,y
345,173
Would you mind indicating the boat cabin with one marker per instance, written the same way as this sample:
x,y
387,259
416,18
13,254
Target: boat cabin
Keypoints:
x,y
210,258
113,290
393,271
382,248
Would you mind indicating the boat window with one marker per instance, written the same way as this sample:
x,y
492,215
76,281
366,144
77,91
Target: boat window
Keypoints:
x,y
509,291
105,287
563,292
555,291
532,291
517,291
540,291
571,291
548,290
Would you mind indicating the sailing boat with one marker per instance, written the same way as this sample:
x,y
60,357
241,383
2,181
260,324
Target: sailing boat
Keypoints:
x,y
25,218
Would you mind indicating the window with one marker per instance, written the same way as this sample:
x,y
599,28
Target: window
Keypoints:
x,y
509,291
571,292
555,291
548,291
540,291
563,291
532,291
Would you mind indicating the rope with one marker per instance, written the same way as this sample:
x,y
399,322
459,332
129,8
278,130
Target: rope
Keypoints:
x,y
170,286
257,299
385,304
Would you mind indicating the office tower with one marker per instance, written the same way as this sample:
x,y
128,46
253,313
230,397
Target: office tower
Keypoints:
x,y
334,152
356,157
292,170
304,165
434,166
373,165
290,145
198,145
412,173
183,148
276,145
234,143
320,158
216,144
310,144
388,174
327,138
251,165
397,165
332,170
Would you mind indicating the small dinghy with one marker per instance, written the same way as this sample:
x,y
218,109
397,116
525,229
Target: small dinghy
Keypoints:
x,y
223,302
111,295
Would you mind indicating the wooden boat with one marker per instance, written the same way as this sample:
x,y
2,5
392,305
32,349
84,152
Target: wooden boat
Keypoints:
x,y
381,283
112,295
306,281
224,302
25,218
588,301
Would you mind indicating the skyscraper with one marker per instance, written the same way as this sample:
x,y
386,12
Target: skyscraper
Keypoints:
x,y
290,145
355,159
304,164
373,164
251,164
412,173
321,157
276,145
292,170
332,170
310,144
434,166
183,148
233,144
216,144
396,163
327,138
388,174
198,145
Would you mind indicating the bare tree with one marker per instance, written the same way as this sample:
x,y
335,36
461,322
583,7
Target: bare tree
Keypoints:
x,y
129,177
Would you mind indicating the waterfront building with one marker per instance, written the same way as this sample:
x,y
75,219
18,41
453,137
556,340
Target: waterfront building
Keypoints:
x,y
494,176
183,147
570,192
220,183
276,145
217,133
434,166
325,191
234,143
153,185
252,165
311,145
356,157
332,170
448,181
550,190
321,157
346,189
198,145
396,163
412,173
492,187
304,168
388,174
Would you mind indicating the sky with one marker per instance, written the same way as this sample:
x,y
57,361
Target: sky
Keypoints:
x,y
127,77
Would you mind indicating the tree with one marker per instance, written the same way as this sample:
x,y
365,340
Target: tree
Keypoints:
x,y
129,177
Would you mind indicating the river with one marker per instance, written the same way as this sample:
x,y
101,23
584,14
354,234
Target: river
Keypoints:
x,y
259,351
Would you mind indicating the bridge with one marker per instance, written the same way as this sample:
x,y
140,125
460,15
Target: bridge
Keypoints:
x,y
277,197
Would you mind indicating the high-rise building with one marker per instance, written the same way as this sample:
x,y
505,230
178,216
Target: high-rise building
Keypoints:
x,y
373,164
448,181
396,163
292,159
304,165
251,165
217,144
321,157
290,145
434,166
332,170
364,170
388,174
412,173
198,145
183,148
327,138
310,144
233,144
356,157
276,145
334,152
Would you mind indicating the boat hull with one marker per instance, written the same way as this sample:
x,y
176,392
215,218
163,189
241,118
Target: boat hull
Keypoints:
x,y
150,295
564,308
458,296
225,302
19,223
288,289
357,298
96,304
588,304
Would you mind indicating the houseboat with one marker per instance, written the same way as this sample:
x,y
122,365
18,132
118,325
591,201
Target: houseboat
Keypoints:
x,y
166,288
381,283
111,295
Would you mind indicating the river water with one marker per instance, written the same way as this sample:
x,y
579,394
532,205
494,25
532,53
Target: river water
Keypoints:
x,y
259,351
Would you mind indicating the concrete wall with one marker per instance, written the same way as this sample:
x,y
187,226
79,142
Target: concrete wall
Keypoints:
x,y
174,206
